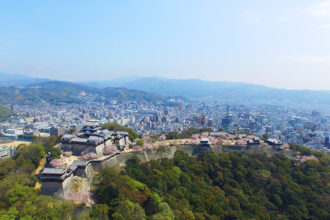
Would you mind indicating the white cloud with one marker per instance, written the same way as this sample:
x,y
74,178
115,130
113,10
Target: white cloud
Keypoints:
x,y
321,10
312,59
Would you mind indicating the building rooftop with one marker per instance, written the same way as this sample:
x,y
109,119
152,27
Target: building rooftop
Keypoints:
x,y
53,171
92,135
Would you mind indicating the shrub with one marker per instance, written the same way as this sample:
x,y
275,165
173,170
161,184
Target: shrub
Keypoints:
x,y
56,163
137,148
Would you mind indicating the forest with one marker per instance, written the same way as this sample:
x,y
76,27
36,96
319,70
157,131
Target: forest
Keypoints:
x,y
211,186
20,196
5,113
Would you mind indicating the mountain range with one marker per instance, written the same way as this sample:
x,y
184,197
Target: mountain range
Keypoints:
x,y
59,92
28,90
228,92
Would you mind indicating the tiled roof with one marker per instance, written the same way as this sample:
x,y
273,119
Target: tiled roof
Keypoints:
x,y
55,171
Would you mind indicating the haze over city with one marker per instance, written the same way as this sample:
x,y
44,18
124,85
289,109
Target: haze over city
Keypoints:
x,y
283,44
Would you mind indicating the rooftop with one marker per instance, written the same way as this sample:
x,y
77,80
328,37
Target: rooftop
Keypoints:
x,y
54,171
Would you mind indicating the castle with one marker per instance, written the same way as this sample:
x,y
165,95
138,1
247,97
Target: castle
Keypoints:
x,y
93,139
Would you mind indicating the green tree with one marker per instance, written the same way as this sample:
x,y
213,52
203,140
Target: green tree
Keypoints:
x,y
129,210
173,135
100,211
140,142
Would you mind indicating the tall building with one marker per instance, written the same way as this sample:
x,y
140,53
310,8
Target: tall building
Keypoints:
x,y
227,120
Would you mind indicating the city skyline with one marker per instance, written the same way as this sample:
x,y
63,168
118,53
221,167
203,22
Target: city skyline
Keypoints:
x,y
279,44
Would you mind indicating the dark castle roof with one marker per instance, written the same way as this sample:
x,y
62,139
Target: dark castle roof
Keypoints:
x,y
92,135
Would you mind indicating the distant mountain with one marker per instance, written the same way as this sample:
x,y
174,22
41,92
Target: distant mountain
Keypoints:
x,y
7,79
131,94
58,92
5,113
225,91
109,83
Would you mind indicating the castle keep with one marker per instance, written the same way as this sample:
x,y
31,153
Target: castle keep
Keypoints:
x,y
93,139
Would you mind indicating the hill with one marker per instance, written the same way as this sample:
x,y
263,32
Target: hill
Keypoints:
x,y
58,92
215,186
5,113
229,92
131,94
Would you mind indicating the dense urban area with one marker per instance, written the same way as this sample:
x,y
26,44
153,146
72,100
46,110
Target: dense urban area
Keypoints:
x,y
282,124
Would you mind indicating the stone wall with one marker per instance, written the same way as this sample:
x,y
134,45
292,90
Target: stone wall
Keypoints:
x,y
78,148
51,188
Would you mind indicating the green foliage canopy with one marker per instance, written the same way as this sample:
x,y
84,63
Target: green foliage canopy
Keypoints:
x,y
132,135
217,186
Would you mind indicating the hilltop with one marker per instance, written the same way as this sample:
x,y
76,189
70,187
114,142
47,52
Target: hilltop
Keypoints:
x,y
59,92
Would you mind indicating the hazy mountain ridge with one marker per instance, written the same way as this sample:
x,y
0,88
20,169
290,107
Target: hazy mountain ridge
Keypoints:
x,y
227,91
153,88
58,92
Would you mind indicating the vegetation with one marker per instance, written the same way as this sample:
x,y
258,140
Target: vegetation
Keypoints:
x,y
130,94
211,186
304,150
49,144
18,197
132,135
5,113
59,93
140,142
172,135
187,133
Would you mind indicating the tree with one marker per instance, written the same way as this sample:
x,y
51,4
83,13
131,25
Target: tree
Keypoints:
x,y
31,153
212,186
137,148
54,153
56,163
140,142
129,210
173,135
18,193
100,211
148,147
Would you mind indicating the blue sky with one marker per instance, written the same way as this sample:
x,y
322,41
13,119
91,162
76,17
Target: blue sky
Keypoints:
x,y
279,43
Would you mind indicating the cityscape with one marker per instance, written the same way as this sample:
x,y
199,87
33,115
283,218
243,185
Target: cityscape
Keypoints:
x,y
286,125
165,110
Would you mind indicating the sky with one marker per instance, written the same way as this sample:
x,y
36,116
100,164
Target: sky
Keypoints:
x,y
278,43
